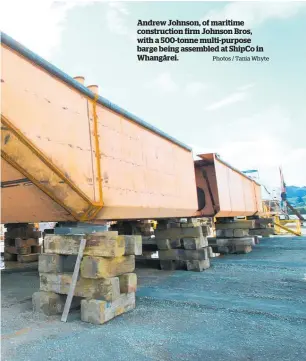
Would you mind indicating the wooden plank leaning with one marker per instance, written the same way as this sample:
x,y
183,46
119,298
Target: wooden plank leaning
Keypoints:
x,y
73,281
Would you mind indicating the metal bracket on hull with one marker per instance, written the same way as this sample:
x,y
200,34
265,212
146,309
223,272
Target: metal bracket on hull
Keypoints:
x,y
97,145
23,155
215,207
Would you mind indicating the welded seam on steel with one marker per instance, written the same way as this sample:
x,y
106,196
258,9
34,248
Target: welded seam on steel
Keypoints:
x,y
13,44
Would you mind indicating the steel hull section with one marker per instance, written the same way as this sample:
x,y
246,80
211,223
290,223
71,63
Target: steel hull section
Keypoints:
x,y
143,174
228,192
23,202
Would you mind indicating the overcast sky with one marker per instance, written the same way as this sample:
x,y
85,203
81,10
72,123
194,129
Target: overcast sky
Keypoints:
x,y
253,115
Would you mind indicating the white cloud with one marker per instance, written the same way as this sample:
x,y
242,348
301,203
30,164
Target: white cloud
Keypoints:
x,y
116,16
261,143
255,13
274,121
265,154
119,6
294,167
163,82
246,87
36,24
195,88
230,99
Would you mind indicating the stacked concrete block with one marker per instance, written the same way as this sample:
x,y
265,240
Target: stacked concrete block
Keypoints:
x,y
211,253
263,227
149,256
238,224
182,246
257,239
145,228
149,251
79,228
264,232
207,224
233,237
106,284
21,243
235,245
208,227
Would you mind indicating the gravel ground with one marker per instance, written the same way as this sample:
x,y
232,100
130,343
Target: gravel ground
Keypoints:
x,y
244,308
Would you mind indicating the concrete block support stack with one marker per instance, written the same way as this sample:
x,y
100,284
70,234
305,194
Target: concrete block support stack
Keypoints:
x,y
143,228
21,243
208,227
182,246
146,228
211,253
263,227
233,237
106,284
149,251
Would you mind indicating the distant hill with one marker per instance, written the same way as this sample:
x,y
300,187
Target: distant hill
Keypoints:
x,y
293,191
297,197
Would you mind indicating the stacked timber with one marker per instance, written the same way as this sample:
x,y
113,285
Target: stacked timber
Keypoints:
x,y
149,247
207,224
21,243
106,284
146,228
240,235
143,228
233,237
208,227
182,246
263,227
211,253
